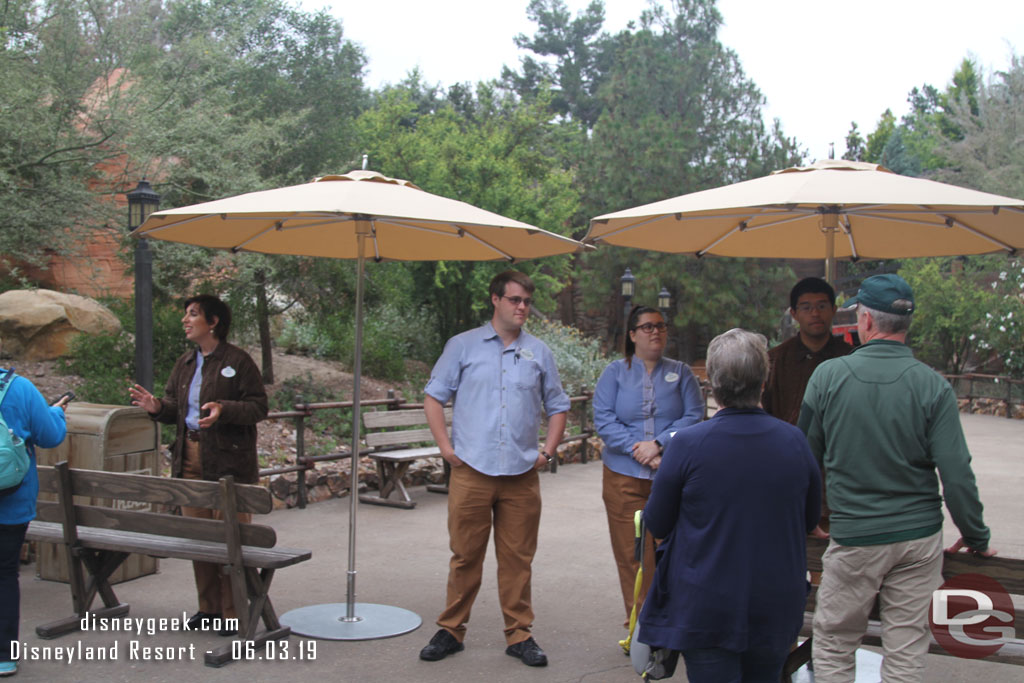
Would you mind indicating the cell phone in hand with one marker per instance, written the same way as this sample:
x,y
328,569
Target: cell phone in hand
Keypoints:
x,y
69,395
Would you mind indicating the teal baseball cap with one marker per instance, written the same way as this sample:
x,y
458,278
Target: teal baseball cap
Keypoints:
x,y
887,293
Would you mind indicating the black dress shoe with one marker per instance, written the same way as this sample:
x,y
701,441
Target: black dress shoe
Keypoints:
x,y
202,621
528,651
440,646
227,632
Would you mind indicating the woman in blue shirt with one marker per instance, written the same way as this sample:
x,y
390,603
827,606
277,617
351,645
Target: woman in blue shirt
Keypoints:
x,y
639,402
27,415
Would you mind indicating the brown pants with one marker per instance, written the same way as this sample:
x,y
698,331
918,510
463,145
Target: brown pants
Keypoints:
x,y
476,502
623,496
212,584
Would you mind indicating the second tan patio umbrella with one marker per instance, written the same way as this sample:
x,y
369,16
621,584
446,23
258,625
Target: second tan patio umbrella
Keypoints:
x,y
358,215
833,209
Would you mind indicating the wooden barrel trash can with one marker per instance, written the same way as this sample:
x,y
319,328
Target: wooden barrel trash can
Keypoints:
x,y
107,438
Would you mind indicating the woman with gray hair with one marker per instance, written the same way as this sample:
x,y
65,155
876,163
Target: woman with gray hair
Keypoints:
x,y
734,500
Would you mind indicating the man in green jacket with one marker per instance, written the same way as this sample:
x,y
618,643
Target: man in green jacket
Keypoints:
x,y
882,424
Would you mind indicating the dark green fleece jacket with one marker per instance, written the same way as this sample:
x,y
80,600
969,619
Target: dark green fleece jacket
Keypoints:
x,y
886,429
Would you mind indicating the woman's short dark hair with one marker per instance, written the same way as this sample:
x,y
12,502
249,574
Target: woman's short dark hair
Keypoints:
x,y
629,346
212,307
737,368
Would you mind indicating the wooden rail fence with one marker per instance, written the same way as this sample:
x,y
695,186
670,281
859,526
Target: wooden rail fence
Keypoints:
x,y
302,411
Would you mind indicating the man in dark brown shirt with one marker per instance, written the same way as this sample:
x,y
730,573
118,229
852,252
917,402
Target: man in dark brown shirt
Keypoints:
x,y
812,303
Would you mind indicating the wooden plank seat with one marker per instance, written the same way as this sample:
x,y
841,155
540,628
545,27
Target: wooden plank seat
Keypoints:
x,y
97,539
163,547
1009,572
395,447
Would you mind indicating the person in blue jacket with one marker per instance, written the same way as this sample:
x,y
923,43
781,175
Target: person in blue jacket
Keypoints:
x,y
27,415
734,500
639,402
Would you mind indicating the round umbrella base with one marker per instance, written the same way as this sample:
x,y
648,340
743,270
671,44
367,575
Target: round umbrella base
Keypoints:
x,y
328,622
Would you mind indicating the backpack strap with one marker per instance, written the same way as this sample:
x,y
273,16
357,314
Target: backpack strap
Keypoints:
x,y
5,383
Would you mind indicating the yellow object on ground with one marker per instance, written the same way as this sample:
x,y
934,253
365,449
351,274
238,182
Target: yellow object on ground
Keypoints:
x,y
638,525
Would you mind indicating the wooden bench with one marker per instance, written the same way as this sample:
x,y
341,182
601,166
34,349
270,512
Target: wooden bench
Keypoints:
x,y
397,438
97,539
1007,571
395,447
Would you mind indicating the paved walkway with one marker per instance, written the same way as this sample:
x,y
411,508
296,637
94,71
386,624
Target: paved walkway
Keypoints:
x,y
402,561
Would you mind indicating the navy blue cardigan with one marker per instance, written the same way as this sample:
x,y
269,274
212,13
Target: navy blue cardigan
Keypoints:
x,y
734,500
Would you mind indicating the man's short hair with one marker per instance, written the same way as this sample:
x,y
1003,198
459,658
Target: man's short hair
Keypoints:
x,y
889,323
501,280
737,367
212,307
811,285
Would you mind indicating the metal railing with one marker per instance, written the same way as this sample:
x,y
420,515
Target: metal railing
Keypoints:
x,y
300,412
1005,384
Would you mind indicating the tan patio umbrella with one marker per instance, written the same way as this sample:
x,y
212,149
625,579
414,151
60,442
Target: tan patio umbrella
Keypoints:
x,y
833,209
399,220
354,216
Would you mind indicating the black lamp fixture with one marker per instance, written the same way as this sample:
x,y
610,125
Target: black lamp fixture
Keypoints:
x,y
665,306
142,201
628,284
664,301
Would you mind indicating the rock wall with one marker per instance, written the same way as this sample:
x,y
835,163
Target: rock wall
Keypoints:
x,y
990,406
96,271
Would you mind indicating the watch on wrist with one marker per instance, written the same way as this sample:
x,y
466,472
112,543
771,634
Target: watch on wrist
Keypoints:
x,y
547,456
661,447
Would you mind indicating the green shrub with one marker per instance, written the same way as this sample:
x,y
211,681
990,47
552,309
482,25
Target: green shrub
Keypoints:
x,y
107,362
307,336
1004,323
331,427
385,344
390,336
578,357
416,377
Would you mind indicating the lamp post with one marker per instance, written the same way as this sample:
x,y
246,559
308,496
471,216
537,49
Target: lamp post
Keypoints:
x,y
665,305
627,283
664,302
142,201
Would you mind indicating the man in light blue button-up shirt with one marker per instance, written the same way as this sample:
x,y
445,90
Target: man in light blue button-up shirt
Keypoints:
x,y
501,379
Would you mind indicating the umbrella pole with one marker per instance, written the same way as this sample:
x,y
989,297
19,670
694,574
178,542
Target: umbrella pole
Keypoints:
x,y
830,224
830,257
373,621
357,376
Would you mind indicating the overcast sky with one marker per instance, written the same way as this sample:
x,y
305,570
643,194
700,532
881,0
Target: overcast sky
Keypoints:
x,y
821,64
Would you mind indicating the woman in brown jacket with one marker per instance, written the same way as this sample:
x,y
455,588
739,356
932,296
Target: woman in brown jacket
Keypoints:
x,y
215,410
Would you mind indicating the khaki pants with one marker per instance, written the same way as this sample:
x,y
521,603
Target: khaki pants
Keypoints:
x,y
212,584
476,502
903,575
623,496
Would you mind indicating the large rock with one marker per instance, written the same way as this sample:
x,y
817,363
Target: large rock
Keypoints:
x,y
40,324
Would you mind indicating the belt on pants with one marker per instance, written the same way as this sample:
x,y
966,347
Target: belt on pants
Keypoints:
x,y
192,434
